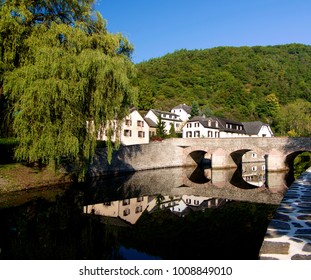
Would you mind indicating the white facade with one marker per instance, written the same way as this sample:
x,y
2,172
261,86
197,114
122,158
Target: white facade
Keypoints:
x,y
214,127
265,131
168,119
134,130
183,111
198,130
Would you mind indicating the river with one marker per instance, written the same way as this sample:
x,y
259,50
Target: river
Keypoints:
x,y
175,213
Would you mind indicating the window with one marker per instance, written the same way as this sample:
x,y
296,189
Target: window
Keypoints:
x,y
125,202
254,168
140,123
210,134
216,124
196,202
196,124
139,199
126,212
141,134
197,134
188,201
254,155
188,134
127,133
189,125
128,122
263,167
138,209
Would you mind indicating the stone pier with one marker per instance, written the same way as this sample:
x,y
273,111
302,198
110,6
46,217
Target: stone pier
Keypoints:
x,y
288,235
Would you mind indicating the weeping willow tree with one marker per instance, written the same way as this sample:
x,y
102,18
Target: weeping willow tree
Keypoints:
x,y
64,77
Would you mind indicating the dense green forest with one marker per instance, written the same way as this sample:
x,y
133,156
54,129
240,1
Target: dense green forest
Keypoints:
x,y
271,84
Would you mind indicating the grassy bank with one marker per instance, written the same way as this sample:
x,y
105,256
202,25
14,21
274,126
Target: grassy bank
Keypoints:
x,y
17,176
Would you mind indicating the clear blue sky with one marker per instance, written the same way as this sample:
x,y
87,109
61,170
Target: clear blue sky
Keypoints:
x,y
158,27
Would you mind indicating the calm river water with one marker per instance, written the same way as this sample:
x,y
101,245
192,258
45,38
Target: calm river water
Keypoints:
x,y
177,213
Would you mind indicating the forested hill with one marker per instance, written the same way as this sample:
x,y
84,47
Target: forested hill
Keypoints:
x,y
242,83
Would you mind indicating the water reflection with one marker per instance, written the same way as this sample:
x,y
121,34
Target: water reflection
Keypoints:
x,y
169,214
130,209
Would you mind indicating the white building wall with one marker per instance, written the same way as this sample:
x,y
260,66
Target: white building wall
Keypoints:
x,y
167,121
265,131
183,115
197,130
134,130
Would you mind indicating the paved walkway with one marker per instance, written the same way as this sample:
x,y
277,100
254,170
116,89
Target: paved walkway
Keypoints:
x,y
288,235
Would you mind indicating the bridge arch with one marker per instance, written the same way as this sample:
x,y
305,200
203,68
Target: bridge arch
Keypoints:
x,y
196,156
289,163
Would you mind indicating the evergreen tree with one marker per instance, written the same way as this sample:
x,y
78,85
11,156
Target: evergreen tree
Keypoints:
x,y
61,70
160,130
172,131
195,111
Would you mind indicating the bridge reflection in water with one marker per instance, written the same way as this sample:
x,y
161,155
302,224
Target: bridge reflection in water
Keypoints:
x,y
172,213
181,190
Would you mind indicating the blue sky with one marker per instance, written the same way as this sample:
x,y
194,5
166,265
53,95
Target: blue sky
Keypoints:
x,y
158,27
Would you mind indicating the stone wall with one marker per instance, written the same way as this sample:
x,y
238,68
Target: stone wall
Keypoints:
x,y
288,235
223,152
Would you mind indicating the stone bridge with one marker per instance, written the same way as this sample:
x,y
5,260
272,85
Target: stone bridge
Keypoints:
x,y
279,153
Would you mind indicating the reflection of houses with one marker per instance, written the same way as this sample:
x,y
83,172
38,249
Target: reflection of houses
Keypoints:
x,y
253,168
215,127
182,205
128,209
169,119
134,130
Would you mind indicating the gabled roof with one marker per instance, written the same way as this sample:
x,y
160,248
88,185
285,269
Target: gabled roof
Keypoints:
x,y
253,128
150,122
204,121
223,124
172,116
184,107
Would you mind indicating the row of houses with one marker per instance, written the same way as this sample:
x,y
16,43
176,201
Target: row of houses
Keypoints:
x,y
139,129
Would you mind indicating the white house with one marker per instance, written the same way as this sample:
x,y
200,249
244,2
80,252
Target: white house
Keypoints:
x,y
215,127
183,111
134,130
258,129
167,117
199,127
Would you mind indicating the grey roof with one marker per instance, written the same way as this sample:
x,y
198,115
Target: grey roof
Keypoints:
x,y
150,122
253,128
223,124
184,107
173,116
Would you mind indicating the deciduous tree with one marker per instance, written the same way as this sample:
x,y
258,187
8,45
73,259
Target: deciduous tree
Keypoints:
x,y
62,70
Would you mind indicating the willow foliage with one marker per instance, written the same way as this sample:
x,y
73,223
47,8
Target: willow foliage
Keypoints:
x,y
70,80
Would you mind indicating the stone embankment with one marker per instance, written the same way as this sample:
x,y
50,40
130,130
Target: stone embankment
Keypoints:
x,y
288,235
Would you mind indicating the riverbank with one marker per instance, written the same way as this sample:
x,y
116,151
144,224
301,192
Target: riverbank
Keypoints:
x,y
17,177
